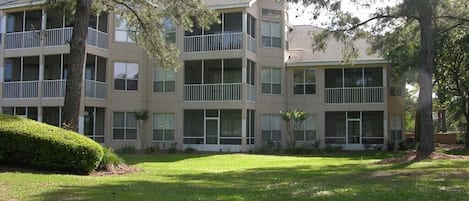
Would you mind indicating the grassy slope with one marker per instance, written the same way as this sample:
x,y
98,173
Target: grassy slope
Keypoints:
x,y
252,177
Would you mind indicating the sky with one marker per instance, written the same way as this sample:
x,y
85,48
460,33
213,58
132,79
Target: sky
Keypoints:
x,y
299,15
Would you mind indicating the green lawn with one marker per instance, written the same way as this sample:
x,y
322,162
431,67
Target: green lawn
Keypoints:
x,y
166,177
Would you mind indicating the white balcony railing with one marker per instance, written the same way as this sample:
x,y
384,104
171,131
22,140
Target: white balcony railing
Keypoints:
x,y
252,44
27,39
54,88
95,89
20,89
213,42
97,38
354,95
213,92
53,37
58,36
50,89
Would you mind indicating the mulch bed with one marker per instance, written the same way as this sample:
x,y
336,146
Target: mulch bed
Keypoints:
x,y
120,169
412,157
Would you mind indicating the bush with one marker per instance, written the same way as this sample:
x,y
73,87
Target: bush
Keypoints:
x,y
127,149
109,158
150,150
30,143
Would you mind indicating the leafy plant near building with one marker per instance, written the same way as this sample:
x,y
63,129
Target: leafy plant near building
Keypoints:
x,y
32,144
293,119
141,117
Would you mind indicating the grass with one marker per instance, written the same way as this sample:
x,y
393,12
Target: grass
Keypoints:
x,y
345,176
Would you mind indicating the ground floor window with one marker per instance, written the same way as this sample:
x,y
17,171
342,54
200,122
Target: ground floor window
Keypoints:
x,y
163,127
212,127
250,129
124,126
307,131
354,127
396,128
271,128
52,116
94,123
28,112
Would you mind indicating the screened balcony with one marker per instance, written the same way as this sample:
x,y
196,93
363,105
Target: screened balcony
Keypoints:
x,y
228,35
354,85
216,80
24,30
21,77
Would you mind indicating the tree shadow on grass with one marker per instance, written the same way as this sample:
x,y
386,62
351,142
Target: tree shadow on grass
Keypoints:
x,y
333,182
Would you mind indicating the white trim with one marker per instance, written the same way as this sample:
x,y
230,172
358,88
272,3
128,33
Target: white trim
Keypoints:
x,y
335,63
237,5
25,4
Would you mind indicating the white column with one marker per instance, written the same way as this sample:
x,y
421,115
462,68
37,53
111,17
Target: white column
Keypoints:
x,y
81,124
243,130
2,69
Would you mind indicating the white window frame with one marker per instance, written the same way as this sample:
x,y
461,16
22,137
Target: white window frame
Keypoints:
x,y
267,31
165,127
271,123
124,127
271,80
169,29
308,125
304,83
124,28
395,126
167,76
126,88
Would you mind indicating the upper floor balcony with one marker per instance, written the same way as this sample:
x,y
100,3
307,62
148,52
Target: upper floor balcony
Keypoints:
x,y
219,92
227,35
35,28
53,37
354,85
49,89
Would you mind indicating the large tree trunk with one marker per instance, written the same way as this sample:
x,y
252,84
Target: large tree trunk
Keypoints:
x,y
466,114
426,145
77,59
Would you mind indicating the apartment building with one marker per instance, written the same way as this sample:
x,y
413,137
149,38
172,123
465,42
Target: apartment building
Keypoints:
x,y
236,78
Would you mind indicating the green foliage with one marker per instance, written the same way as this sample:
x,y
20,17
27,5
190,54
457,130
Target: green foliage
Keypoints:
x,y
29,143
151,150
148,17
188,150
109,158
294,120
127,149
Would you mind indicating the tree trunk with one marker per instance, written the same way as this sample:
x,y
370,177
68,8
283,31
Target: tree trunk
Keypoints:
x,y
426,145
417,127
466,114
71,109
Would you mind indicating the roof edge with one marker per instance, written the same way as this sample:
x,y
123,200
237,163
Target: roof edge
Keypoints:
x,y
238,5
24,4
336,63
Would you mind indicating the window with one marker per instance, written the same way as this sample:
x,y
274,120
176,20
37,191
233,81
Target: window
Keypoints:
x,y
125,76
271,34
251,72
169,30
164,80
271,81
163,127
307,130
28,112
354,77
124,126
396,128
250,129
271,131
304,81
124,33
271,13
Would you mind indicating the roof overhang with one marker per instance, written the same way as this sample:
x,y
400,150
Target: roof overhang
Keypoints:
x,y
237,5
337,63
16,4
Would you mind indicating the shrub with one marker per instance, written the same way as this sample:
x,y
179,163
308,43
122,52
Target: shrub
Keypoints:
x,y
109,158
127,149
30,143
150,150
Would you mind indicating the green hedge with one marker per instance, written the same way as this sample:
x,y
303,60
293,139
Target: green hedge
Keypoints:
x,y
30,143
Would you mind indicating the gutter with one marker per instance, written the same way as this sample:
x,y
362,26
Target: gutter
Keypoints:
x,y
336,63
